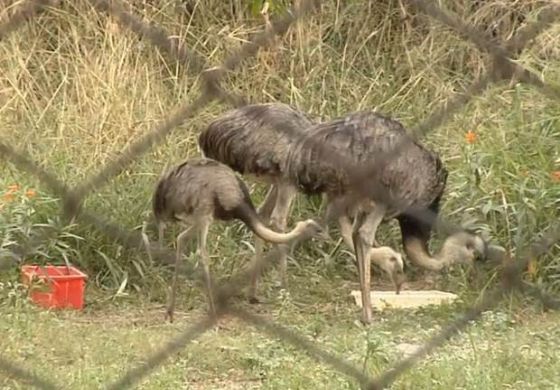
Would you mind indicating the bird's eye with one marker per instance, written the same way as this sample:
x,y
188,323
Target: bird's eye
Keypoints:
x,y
393,259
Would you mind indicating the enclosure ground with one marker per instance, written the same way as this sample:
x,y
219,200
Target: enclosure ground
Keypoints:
x,y
78,87
514,347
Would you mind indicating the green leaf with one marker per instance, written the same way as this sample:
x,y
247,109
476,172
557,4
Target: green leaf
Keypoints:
x,y
256,6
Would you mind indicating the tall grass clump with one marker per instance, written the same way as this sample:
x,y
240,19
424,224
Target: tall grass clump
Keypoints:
x,y
76,88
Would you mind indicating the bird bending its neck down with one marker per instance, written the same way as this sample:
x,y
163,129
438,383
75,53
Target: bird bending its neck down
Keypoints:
x,y
200,190
458,248
203,188
391,262
303,230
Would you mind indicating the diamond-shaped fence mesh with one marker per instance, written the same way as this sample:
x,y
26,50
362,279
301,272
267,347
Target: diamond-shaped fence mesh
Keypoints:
x,y
503,68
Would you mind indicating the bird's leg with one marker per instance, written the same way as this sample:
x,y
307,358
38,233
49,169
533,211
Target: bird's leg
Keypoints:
x,y
364,229
146,241
256,271
327,208
360,252
333,210
279,221
161,229
202,240
283,250
181,238
265,210
345,225
324,202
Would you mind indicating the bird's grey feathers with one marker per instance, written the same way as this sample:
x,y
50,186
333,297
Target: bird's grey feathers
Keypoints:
x,y
201,187
415,176
254,139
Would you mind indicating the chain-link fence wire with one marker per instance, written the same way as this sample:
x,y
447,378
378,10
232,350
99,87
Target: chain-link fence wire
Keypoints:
x,y
503,69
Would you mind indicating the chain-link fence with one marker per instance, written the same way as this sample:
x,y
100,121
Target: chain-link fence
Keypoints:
x,y
504,69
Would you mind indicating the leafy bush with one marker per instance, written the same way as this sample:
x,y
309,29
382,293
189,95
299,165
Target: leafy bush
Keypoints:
x,y
29,235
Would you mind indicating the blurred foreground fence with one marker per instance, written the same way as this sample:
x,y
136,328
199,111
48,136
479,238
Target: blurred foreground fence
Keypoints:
x,y
503,69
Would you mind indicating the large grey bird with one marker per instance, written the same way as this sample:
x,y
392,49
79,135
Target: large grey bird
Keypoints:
x,y
201,190
254,140
323,160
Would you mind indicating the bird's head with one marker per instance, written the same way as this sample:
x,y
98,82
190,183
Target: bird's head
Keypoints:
x,y
466,248
391,262
311,229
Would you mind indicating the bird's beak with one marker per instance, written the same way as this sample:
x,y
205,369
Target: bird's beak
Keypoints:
x,y
324,235
398,280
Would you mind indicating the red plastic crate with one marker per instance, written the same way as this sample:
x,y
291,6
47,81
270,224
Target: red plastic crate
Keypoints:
x,y
59,286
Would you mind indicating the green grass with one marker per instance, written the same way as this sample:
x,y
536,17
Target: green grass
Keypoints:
x,y
510,347
76,89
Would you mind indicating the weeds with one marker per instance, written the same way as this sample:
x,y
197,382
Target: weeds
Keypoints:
x,y
28,230
77,88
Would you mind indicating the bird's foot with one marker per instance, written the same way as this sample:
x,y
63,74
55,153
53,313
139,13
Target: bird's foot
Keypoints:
x,y
366,321
168,315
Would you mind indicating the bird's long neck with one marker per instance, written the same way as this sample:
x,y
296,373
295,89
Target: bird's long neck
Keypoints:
x,y
271,236
419,254
252,220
